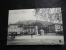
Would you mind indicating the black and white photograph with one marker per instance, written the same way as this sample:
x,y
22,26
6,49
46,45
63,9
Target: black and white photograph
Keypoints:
x,y
39,26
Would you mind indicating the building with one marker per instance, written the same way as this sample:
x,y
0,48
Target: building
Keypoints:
x,y
13,28
22,29
34,29
55,28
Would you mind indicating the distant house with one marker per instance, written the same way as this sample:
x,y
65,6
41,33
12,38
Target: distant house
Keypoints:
x,y
55,27
12,27
22,29
30,28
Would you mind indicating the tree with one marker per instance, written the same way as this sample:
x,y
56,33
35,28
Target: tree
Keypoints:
x,y
49,14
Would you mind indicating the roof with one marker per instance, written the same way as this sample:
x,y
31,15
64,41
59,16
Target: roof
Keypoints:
x,y
55,24
29,27
58,23
20,25
12,24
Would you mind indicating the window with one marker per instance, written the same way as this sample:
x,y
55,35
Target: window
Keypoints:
x,y
58,26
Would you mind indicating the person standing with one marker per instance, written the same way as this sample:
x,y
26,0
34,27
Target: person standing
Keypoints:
x,y
31,33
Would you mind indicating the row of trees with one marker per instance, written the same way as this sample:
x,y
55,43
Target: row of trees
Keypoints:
x,y
49,14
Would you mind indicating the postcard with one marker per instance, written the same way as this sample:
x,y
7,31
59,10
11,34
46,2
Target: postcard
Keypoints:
x,y
39,26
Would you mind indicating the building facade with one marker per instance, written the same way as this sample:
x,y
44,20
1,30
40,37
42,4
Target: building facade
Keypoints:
x,y
28,29
22,29
55,28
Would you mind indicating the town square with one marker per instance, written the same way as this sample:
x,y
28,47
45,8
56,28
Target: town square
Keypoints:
x,y
35,27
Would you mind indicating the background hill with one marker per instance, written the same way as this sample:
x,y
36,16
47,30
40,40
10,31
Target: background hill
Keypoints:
x,y
34,22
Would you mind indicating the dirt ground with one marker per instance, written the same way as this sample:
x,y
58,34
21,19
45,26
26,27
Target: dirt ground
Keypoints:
x,y
36,40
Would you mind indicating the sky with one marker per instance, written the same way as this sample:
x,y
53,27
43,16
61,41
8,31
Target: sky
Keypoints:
x,y
21,15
